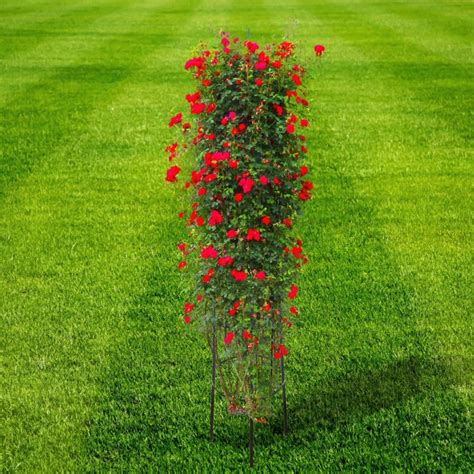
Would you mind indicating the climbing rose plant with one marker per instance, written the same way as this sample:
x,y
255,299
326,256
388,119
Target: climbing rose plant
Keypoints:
x,y
248,182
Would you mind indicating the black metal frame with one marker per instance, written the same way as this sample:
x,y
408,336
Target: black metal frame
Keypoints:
x,y
251,421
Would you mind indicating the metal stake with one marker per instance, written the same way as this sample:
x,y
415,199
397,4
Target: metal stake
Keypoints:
x,y
251,436
283,389
213,382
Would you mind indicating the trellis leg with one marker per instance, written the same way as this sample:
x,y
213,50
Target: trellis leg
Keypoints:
x,y
251,439
283,389
213,382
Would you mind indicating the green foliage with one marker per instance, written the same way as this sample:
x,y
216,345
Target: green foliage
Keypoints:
x,y
249,183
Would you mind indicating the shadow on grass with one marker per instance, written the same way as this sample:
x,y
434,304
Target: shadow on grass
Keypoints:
x,y
350,396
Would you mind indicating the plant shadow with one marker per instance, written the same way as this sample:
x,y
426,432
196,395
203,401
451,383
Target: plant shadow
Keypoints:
x,y
356,394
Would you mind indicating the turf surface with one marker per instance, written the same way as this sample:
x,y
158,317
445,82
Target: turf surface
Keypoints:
x,y
98,372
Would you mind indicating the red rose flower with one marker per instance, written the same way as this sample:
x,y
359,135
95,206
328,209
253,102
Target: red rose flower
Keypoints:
x,y
198,108
293,292
228,338
260,275
278,109
283,350
238,275
319,49
209,252
252,47
176,119
247,184
296,79
215,217
225,261
263,180
231,234
191,98
172,173
238,197
296,251
290,128
258,82
265,220
253,234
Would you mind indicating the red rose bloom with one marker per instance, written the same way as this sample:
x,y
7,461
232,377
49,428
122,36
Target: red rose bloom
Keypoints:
x,y
296,79
253,234
319,49
225,261
172,173
215,217
209,252
247,184
238,275
228,337
176,119
283,350
197,108
293,292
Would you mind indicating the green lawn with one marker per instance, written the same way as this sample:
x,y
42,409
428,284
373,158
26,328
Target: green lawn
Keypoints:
x,y
98,371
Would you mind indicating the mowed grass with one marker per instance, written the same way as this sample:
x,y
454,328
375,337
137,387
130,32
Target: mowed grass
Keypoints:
x,y
98,372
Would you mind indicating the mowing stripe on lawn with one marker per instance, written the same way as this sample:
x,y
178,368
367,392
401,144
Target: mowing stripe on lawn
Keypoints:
x,y
31,133
139,425
21,34
31,65
57,255
101,372
405,94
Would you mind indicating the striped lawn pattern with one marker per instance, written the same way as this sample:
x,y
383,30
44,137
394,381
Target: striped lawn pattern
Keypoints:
x,y
97,370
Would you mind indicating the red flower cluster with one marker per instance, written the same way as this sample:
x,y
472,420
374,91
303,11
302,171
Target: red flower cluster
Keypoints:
x,y
249,182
